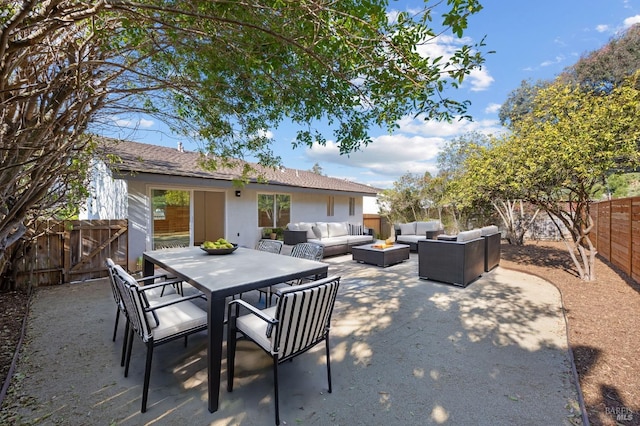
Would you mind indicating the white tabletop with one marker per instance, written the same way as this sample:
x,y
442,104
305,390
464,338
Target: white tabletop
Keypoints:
x,y
225,275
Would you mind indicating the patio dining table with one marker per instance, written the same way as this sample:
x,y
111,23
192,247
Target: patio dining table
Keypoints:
x,y
222,276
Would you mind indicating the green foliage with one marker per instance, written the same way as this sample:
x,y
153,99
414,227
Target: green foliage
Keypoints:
x,y
407,200
560,152
223,73
607,67
519,102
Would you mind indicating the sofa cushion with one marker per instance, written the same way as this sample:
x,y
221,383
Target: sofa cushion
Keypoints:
x,y
489,230
324,230
423,227
305,226
408,228
359,239
331,241
474,234
410,238
337,229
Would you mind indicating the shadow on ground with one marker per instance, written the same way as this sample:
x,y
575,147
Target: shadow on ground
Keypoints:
x,y
404,351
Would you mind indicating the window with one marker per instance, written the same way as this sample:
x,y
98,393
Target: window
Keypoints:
x,y
352,206
171,217
330,204
274,210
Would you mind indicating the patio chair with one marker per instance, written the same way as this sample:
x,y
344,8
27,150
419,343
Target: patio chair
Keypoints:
x,y
299,321
311,251
270,246
168,287
158,324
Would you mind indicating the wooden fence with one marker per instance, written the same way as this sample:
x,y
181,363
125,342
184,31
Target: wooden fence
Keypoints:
x,y
71,251
617,233
381,227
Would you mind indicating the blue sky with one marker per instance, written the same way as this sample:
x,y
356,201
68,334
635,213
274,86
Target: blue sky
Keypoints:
x,y
531,40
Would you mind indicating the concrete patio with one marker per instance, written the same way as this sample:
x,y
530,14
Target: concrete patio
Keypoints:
x,y
404,351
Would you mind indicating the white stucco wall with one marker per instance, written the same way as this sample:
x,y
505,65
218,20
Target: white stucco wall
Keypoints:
x,y
108,198
130,199
312,207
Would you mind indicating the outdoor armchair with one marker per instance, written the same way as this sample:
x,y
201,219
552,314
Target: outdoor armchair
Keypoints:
x,y
299,321
310,251
157,324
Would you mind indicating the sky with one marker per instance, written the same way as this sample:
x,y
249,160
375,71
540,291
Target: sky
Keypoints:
x,y
532,40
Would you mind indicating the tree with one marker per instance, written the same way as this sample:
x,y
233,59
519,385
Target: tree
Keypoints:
x,y
451,161
222,72
519,102
609,66
317,169
489,178
406,201
560,152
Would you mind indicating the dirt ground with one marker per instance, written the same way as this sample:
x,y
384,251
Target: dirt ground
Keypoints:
x,y
603,318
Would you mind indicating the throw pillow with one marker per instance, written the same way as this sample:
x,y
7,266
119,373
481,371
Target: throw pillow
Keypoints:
x,y
316,232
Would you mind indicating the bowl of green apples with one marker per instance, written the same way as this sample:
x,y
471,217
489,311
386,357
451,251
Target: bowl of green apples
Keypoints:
x,y
219,246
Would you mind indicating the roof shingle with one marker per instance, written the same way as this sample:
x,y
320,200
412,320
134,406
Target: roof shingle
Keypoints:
x,y
146,158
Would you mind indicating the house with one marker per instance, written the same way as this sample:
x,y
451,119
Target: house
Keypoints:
x,y
170,200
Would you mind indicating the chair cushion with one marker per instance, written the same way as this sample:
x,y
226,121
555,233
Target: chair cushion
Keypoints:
x,y
408,228
177,318
255,328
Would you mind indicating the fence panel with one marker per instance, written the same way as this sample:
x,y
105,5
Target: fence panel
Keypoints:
x,y
617,233
71,251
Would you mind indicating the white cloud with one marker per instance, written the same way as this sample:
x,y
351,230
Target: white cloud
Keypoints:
x,y
602,28
141,123
631,21
445,46
412,149
265,134
445,129
558,59
492,108
480,80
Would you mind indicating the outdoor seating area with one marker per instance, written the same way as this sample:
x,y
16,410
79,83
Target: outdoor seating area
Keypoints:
x,y
411,233
375,349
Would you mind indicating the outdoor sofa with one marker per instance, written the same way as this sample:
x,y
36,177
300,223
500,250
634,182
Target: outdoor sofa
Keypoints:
x,y
336,237
411,233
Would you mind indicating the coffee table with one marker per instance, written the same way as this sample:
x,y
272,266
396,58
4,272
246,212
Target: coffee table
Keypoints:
x,y
380,256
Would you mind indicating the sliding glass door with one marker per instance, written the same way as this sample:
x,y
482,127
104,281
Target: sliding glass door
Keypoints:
x,y
171,218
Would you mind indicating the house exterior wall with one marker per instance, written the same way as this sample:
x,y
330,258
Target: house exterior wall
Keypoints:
x,y
129,197
108,198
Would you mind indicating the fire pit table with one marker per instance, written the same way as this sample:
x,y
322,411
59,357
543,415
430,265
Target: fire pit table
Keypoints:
x,y
380,255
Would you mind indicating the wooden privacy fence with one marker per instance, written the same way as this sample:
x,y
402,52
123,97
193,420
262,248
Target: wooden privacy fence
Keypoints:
x,y
380,225
617,233
70,251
